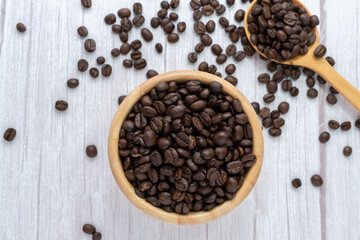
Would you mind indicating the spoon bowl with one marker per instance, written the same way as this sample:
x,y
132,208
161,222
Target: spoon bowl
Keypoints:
x,y
318,65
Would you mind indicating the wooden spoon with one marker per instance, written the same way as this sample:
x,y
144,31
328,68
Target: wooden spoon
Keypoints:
x,y
319,65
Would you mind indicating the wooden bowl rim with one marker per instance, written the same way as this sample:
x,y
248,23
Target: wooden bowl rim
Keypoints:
x,y
194,217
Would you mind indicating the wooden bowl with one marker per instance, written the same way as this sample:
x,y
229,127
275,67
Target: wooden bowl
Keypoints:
x,y
193,217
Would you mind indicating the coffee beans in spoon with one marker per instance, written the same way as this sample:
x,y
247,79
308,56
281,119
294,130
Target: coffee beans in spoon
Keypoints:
x,y
186,147
281,29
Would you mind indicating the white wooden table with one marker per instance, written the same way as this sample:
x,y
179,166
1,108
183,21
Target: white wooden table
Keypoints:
x,y
49,188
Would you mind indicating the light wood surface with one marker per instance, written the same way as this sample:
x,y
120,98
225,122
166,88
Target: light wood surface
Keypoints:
x,y
49,188
318,65
128,190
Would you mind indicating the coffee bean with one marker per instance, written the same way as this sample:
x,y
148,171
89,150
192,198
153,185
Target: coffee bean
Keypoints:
x,y
310,82
286,85
330,60
181,27
199,47
312,93
9,134
121,99
294,91
345,126
334,124
331,99
165,5
116,28
140,64
321,80
21,27
230,69
231,79
127,63
174,3
73,83
272,86
274,132
296,182
125,48
333,90
357,123
94,72
283,107
151,73
82,31
239,15
159,47
173,38
206,39
174,16
239,56
146,34
324,137
91,151
138,20
124,13
272,66
137,8
110,19
83,65
320,51
193,57
215,87
90,45
231,50
115,52
96,236
61,105
317,180
155,22
162,13
269,98
135,55
100,60
221,59
210,26
220,9
216,49
89,229
86,3
347,151
106,70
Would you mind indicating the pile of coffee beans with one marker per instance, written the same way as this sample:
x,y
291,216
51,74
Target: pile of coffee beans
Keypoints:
x,y
186,147
282,29
90,229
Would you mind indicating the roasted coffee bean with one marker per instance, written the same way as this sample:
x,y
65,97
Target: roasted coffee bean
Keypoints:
x,y
125,48
283,107
138,20
345,126
206,39
210,26
216,49
137,8
159,47
82,31
61,105
331,99
220,9
294,91
96,236
151,73
231,50
347,151
155,22
173,16
106,70
296,183
199,27
115,52
94,72
239,15
124,36
272,66
193,57
203,66
269,98
124,13
86,3
173,38
320,51
334,124
146,34
165,5
312,93
135,55
333,90
324,137
90,45
207,10
116,28
330,60
231,79
197,15
221,59
73,83
199,47
230,69
83,65
140,64
321,80
174,3
239,56
286,85
9,134
357,123
310,82
89,229
121,99
162,13
317,180
91,151
100,60
127,63
272,86
274,132
110,19
181,27
21,27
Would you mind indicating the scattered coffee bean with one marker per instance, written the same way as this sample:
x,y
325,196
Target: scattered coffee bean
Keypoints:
x,y
193,57
91,151
124,13
21,27
230,50
286,85
216,49
9,134
283,107
137,8
320,51
173,16
333,90
331,99
151,73
221,59
334,124
83,65
146,34
138,20
321,80
82,31
135,55
210,26
174,3
106,70
312,93
96,236
140,64
199,47
239,56
181,27
127,63
347,151
324,137
89,229
155,22
165,5
357,123
125,48
86,3
206,39
197,15
231,79
269,98
317,180
310,82
296,183
90,45
272,66
61,105
173,38
271,87
100,60
230,69
294,91
330,60
115,52
72,83
345,126
110,19
94,72
274,132
159,47
121,99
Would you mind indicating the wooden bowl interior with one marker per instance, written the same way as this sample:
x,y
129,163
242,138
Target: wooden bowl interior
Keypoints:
x,y
194,217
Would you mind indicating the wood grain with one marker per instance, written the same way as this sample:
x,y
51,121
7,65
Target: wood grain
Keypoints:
x,y
49,188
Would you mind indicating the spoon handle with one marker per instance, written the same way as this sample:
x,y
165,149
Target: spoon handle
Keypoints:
x,y
325,70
